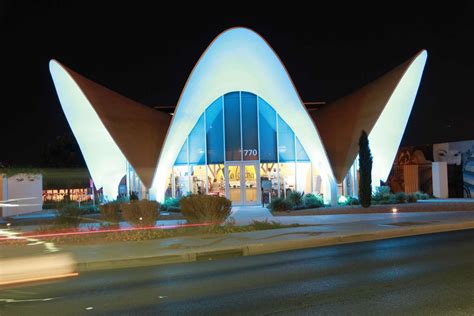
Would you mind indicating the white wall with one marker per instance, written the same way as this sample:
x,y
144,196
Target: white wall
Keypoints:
x,y
440,179
23,187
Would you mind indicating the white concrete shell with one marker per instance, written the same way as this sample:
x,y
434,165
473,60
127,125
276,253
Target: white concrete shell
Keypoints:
x,y
386,135
104,159
241,60
238,60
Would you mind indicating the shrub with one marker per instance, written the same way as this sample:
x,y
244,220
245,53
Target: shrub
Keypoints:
x,y
311,200
400,197
133,196
411,198
198,208
69,215
295,199
170,205
352,200
381,195
140,212
348,200
382,190
422,196
110,212
279,205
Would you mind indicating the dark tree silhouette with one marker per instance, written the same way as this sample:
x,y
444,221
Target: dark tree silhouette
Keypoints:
x,y
365,171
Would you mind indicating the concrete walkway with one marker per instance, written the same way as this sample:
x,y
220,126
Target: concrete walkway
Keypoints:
x,y
326,230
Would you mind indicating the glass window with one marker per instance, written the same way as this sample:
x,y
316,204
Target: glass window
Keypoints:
x,y
250,178
267,125
216,184
249,126
198,179
286,141
182,158
319,185
269,180
300,152
303,177
215,133
197,144
181,178
232,126
169,188
287,178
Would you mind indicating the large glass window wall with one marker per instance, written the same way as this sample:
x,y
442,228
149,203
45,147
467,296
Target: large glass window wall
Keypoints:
x,y
242,127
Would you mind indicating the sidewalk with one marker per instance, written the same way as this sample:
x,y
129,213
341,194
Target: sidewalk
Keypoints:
x,y
327,230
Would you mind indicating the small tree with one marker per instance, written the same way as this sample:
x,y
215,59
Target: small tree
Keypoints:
x,y
365,170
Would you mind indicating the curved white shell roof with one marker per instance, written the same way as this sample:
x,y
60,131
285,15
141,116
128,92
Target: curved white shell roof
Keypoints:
x,y
386,135
104,159
238,60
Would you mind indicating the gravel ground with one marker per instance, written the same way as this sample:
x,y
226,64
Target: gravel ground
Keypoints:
x,y
406,207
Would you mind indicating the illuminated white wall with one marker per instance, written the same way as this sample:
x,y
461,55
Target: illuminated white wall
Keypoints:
x,y
26,191
105,161
238,60
385,137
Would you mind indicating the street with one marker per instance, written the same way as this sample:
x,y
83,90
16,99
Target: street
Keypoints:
x,y
430,274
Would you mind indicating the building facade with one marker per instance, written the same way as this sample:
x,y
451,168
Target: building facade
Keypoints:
x,y
239,128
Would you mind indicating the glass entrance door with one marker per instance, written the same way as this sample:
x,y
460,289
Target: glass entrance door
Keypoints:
x,y
242,183
233,188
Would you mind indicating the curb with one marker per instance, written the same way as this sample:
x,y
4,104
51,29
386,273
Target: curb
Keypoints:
x,y
269,247
258,249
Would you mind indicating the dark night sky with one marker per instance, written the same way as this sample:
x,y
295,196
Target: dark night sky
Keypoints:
x,y
147,52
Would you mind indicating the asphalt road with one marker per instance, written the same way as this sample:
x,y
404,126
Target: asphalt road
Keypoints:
x,y
431,274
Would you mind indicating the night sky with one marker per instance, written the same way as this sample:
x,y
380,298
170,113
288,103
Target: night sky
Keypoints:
x,y
146,52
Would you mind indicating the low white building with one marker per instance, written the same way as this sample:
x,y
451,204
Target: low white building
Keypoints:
x,y
20,193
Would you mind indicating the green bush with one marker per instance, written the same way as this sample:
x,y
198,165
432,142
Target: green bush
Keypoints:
x,y
400,197
382,195
295,199
133,196
352,200
279,205
69,215
140,212
411,198
198,208
381,191
422,196
311,200
110,212
170,205
349,200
